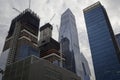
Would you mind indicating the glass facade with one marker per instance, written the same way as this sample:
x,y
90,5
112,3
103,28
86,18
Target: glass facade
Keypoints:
x,y
25,51
102,42
68,38
69,56
86,69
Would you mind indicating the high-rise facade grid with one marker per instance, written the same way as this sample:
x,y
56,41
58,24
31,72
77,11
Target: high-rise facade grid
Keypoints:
x,y
103,45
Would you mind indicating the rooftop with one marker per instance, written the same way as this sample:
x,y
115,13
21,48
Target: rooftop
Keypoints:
x,y
27,11
92,6
45,26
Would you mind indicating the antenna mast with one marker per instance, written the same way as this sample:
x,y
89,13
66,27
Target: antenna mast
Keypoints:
x,y
29,3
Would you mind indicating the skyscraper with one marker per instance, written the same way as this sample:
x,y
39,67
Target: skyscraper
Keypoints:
x,y
68,38
23,59
86,69
103,45
22,36
48,47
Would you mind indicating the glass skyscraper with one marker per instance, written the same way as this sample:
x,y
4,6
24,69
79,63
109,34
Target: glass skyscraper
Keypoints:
x,y
104,48
86,69
68,38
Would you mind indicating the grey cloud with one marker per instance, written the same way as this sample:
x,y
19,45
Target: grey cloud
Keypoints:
x,y
46,8
48,1
113,10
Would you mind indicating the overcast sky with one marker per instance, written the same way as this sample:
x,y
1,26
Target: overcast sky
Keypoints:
x,y
47,8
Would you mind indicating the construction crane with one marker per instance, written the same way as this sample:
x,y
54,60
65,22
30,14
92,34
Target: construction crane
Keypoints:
x,y
57,28
19,10
61,54
53,24
16,10
52,18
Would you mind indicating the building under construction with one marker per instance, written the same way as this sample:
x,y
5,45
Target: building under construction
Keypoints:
x,y
28,60
49,48
22,37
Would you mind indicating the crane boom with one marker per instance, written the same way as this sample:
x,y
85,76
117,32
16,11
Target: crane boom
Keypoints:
x,y
17,10
52,18
57,28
